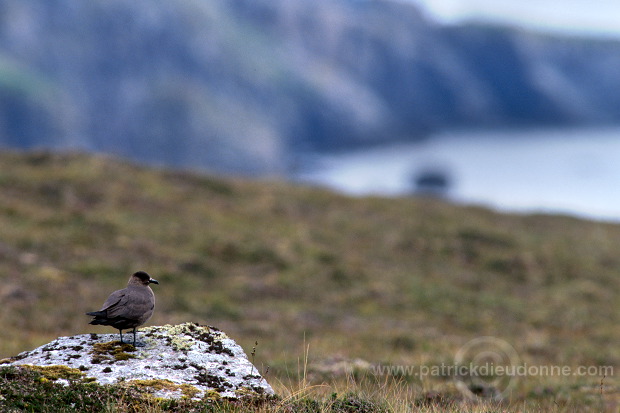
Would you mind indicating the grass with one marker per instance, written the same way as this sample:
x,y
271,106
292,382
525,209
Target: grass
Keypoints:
x,y
25,389
386,282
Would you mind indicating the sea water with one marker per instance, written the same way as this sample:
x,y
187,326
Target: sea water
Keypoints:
x,y
570,171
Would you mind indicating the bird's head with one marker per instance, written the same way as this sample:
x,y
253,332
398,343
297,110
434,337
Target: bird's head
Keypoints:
x,y
143,278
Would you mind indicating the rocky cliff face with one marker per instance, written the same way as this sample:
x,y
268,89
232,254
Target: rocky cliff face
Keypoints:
x,y
185,360
245,86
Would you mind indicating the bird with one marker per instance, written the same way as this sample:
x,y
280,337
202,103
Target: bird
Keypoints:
x,y
128,308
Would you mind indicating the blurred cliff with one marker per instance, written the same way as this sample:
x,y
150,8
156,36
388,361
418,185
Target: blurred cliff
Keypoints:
x,y
245,86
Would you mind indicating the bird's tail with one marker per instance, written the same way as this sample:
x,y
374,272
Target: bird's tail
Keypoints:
x,y
100,318
97,313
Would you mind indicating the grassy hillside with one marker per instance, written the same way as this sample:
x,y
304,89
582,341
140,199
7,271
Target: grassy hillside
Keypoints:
x,y
315,278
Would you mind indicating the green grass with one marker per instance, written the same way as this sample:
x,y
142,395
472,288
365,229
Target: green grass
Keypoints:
x,y
388,281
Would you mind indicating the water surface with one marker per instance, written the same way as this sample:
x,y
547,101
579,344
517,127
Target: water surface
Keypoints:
x,y
573,171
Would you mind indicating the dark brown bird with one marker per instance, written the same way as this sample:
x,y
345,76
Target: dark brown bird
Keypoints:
x,y
128,308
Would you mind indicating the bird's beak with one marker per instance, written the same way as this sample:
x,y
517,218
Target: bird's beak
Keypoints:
x,y
152,281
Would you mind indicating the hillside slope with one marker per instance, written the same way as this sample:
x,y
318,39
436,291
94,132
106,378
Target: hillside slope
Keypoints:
x,y
385,280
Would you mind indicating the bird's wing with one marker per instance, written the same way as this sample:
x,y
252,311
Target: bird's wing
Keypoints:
x,y
115,304
131,303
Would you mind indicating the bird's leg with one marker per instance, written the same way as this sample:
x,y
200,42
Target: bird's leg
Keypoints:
x,y
134,336
121,333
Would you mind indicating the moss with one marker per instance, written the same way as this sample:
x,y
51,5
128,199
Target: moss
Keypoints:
x,y
244,392
56,372
213,395
123,356
24,389
188,391
111,351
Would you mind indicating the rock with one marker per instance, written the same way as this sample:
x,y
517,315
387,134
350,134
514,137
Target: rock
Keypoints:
x,y
339,366
185,360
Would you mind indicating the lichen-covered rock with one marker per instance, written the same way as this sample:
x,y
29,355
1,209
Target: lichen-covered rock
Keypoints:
x,y
185,360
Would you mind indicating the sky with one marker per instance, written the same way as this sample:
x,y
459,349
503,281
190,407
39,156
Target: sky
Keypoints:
x,y
580,17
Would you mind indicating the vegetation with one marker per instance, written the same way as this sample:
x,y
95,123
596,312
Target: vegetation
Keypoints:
x,y
330,287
